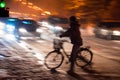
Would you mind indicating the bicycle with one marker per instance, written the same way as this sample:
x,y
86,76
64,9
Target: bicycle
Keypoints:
x,y
55,58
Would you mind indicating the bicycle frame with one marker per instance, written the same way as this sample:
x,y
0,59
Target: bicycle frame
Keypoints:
x,y
68,56
58,45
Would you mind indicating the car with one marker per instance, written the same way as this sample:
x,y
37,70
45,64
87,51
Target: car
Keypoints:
x,y
48,31
108,30
15,28
8,27
27,27
58,21
28,24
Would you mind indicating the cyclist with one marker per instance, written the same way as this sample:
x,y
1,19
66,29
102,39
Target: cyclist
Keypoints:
x,y
75,36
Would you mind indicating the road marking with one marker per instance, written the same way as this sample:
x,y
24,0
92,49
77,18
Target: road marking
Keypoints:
x,y
37,53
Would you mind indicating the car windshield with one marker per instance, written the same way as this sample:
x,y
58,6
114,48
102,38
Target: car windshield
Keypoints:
x,y
57,20
28,22
109,24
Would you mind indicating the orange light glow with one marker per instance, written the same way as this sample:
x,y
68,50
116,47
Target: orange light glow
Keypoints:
x,y
34,15
47,12
14,12
24,0
30,4
40,9
19,0
43,14
24,3
16,0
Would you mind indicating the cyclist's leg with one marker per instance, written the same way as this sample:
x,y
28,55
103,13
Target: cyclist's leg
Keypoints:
x,y
73,56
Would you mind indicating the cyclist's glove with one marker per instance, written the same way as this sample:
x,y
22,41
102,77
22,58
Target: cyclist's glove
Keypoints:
x,y
60,36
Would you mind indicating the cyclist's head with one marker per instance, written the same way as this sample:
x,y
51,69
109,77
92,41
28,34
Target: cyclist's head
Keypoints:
x,y
72,18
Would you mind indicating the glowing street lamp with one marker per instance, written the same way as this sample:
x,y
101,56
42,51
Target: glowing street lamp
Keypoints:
x,y
47,12
24,3
30,4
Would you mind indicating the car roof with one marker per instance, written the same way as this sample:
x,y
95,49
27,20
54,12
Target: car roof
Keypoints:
x,y
110,24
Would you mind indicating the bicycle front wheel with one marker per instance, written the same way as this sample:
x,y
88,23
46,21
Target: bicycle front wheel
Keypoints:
x,y
84,57
53,60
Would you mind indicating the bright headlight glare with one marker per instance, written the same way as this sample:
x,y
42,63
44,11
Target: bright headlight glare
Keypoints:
x,y
22,30
104,31
58,28
2,25
9,37
44,23
1,32
39,30
116,33
10,27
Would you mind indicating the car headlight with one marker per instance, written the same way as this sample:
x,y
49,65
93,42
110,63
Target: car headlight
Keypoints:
x,y
116,33
2,25
22,30
1,32
9,37
10,28
39,30
104,31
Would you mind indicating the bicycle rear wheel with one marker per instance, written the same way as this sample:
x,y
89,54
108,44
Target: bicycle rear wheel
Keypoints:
x,y
84,57
53,60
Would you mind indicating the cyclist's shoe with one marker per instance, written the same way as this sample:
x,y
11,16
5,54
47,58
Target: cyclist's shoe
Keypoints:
x,y
60,36
73,74
70,72
53,70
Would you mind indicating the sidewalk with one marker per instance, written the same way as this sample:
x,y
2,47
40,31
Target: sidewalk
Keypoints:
x,y
16,63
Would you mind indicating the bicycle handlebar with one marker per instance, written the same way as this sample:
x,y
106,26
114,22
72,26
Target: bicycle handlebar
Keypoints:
x,y
61,39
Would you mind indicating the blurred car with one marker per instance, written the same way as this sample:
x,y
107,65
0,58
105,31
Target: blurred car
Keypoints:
x,y
28,28
59,21
27,25
17,28
12,27
108,30
2,26
8,27
48,31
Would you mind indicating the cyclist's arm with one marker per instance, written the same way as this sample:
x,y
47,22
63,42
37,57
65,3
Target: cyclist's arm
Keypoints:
x,y
66,34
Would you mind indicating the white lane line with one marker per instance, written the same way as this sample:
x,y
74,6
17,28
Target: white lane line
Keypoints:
x,y
37,53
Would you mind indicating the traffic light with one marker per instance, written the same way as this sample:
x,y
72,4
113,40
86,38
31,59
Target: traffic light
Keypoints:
x,y
4,12
2,4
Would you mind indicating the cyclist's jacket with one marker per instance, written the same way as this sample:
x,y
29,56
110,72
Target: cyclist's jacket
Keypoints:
x,y
74,33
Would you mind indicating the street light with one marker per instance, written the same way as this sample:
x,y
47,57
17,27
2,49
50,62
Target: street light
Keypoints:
x,y
47,12
24,3
30,4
